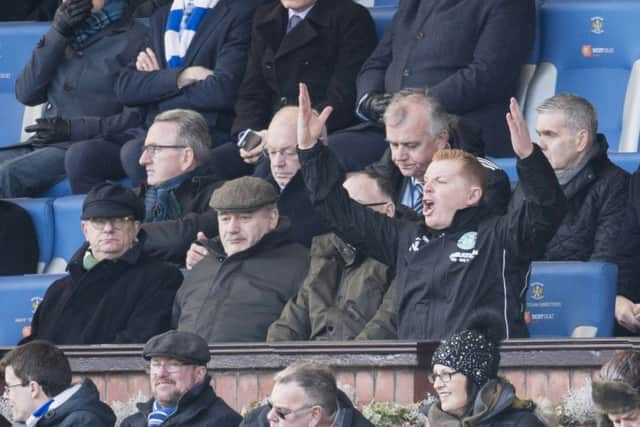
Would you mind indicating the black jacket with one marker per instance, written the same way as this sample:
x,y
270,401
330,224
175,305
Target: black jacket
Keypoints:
x,y
170,240
596,199
465,51
199,407
83,409
127,300
444,275
325,51
220,44
627,247
236,298
294,203
352,417
19,254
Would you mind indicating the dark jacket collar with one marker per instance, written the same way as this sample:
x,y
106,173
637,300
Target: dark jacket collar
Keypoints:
x,y
202,390
463,219
590,170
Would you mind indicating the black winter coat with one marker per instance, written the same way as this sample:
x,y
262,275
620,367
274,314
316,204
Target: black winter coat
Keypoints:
x,y
596,199
465,51
83,409
443,276
199,407
19,254
352,417
236,298
170,240
325,51
627,248
127,300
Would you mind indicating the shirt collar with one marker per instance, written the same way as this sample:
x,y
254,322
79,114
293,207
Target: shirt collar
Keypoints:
x,y
302,14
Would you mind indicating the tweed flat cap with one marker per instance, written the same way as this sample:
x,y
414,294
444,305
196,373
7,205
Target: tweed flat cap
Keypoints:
x,y
245,194
186,347
110,200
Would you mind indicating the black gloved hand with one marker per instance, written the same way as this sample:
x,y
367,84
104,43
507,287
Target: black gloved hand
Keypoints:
x,y
373,107
52,129
70,14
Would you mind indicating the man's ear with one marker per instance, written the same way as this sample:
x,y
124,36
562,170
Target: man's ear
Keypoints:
x,y
582,140
36,391
188,158
442,139
274,216
475,196
390,209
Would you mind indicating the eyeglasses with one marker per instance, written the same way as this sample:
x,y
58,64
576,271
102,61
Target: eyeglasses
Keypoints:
x,y
282,413
286,152
8,387
99,224
153,149
445,377
171,366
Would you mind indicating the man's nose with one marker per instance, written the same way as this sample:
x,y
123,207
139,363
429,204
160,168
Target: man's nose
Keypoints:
x,y
145,158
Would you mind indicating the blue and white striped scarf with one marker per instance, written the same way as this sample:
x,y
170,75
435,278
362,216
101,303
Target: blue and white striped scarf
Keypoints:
x,y
159,414
182,24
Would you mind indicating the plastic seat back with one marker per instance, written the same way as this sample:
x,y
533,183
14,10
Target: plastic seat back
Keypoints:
x,y
19,299
566,299
68,234
17,40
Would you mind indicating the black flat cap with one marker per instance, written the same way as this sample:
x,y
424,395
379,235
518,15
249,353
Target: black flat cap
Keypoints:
x,y
184,346
110,200
246,194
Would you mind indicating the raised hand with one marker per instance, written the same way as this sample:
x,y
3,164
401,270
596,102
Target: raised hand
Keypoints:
x,y
310,124
520,139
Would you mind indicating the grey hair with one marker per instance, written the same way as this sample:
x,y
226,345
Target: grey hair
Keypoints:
x,y
578,112
397,110
193,131
317,381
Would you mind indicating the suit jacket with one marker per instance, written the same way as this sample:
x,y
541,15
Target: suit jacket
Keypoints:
x,y
220,44
467,52
325,51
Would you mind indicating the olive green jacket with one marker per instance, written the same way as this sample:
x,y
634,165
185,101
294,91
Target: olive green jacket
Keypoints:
x,y
341,294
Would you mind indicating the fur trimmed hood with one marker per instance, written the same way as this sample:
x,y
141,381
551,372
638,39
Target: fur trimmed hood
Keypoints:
x,y
613,397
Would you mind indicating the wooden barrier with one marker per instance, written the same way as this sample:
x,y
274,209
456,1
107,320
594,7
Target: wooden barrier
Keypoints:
x,y
380,370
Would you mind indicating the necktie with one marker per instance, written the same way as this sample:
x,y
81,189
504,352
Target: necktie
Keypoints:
x,y
417,197
293,21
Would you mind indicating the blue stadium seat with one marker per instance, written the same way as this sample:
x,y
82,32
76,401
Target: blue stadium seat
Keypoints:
x,y
572,299
17,40
63,188
68,235
382,17
19,298
590,48
627,161
41,211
